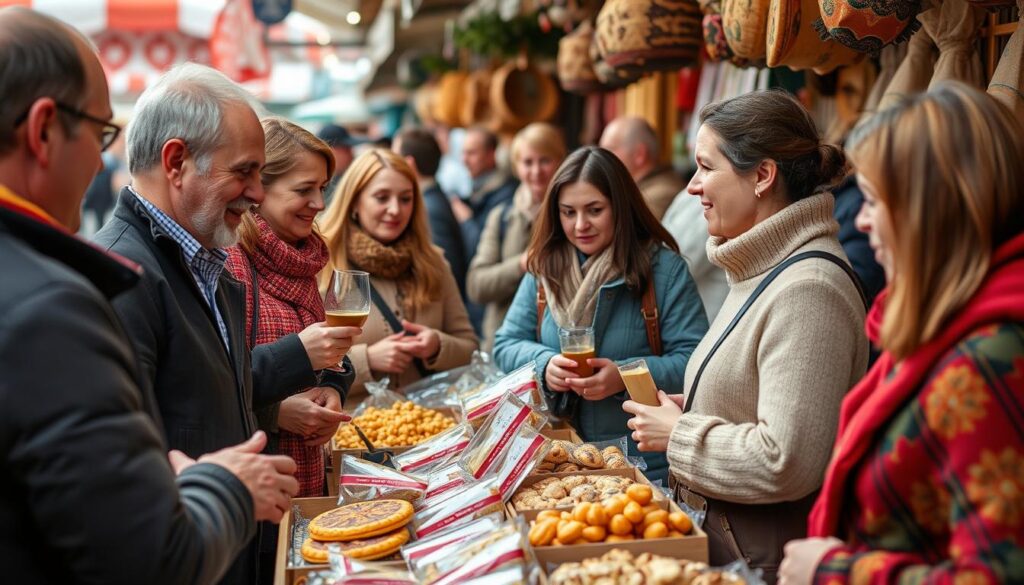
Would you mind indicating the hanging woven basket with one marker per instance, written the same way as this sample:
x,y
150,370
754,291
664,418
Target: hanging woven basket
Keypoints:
x,y
423,102
793,42
475,108
868,26
745,23
449,95
715,44
521,94
640,36
575,67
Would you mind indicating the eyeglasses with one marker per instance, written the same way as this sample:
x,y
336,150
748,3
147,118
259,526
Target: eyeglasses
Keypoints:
x,y
110,130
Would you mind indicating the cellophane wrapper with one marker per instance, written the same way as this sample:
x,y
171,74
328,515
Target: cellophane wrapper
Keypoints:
x,y
435,451
487,449
422,550
360,481
503,548
477,500
522,382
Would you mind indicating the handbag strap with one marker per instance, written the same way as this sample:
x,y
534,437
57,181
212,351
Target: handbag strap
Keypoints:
x,y
395,325
255,327
648,310
757,292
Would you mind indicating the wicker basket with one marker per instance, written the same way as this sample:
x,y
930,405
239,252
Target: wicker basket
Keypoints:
x,y
745,23
868,26
423,102
793,42
449,97
521,94
475,108
641,36
575,66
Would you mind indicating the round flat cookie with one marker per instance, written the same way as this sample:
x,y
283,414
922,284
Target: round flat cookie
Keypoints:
x,y
360,520
365,549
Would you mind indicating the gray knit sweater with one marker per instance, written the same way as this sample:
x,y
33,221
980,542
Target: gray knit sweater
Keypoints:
x,y
766,411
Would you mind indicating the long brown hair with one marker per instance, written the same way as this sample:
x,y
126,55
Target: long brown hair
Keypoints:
x,y
636,228
427,263
285,141
947,163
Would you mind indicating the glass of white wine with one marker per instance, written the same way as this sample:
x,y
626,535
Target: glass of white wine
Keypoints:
x,y
347,300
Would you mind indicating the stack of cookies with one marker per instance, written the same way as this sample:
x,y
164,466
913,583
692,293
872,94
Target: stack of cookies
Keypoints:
x,y
363,530
561,492
566,457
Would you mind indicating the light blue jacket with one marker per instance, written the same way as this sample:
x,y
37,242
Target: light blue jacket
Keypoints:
x,y
619,335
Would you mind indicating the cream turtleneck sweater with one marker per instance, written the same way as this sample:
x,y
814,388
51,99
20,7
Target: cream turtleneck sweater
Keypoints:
x,y
765,415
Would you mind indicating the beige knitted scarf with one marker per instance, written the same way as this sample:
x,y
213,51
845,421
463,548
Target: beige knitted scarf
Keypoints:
x,y
580,286
388,261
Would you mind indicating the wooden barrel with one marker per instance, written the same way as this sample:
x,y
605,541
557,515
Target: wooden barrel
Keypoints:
x,y
575,66
522,94
449,95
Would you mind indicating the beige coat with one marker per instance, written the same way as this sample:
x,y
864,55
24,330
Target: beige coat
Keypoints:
x,y
659,188
494,273
767,407
447,315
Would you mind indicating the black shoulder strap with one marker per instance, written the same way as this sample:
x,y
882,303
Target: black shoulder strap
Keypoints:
x,y
395,325
255,327
757,292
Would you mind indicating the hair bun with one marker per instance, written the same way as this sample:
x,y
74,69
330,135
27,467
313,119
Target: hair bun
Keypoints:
x,y
832,166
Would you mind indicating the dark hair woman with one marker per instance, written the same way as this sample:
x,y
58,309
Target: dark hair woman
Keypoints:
x,y
597,250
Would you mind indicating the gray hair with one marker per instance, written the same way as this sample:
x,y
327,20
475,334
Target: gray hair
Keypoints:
x,y
38,58
639,132
186,103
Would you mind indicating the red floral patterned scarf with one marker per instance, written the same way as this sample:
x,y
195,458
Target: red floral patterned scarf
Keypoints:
x,y
878,397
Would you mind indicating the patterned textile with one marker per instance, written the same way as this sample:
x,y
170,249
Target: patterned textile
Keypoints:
x,y
927,479
289,302
205,265
389,261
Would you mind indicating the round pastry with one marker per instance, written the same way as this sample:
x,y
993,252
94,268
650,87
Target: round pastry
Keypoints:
x,y
615,462
555,491
584,493
557,454
566,501
545,467
588,456
573,481
566,467
366,549
611,451
360,520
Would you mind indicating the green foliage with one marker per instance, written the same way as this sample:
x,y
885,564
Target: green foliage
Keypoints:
x,y
490,36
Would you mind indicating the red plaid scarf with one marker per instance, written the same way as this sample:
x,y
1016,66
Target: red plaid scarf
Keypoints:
x,y
289,302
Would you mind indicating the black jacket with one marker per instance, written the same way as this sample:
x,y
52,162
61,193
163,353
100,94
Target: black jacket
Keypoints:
x,y
498,189
86,491
205,395
445,232
849,199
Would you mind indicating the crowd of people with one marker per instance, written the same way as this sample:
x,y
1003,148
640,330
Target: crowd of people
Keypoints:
x,y
837,333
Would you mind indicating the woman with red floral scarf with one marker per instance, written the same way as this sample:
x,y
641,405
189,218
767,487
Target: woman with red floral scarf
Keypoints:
x,y
926,483
281,253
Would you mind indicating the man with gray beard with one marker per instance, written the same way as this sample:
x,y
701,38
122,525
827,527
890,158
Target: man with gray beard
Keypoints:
x,y
195,150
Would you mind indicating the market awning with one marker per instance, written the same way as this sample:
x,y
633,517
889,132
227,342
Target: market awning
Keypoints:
x,y
196,18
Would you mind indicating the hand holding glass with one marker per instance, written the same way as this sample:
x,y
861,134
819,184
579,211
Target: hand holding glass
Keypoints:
x,y
639,383
577,344
347,300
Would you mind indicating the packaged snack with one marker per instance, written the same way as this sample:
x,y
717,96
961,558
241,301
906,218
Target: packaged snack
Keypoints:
x,y
429,454
481,371
442,481
352,572
505,547
398,425
511,575
437,390
380,396
526,452
477,500
416,552
361,480
522,382
489,446
621,567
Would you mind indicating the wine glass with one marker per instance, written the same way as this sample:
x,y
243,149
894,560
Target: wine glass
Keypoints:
x,y
347,299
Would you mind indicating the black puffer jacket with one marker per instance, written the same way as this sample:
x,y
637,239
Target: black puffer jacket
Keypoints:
x,y
86,491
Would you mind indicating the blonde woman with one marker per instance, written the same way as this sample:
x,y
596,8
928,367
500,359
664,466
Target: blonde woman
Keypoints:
x,y
500,261
377,222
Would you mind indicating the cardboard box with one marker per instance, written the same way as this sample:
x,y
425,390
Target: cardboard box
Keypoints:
x,y
334,466
310,508
693,547
563,434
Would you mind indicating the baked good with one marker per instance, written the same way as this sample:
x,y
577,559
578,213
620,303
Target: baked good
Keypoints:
x,y
366,549
588,456
557,454
361,520
567,467
560,492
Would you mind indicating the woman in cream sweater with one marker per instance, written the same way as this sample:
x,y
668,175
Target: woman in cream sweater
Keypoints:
x,y
377,222
757,435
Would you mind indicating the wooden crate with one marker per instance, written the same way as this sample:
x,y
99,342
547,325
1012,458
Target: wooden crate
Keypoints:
x,y
309,507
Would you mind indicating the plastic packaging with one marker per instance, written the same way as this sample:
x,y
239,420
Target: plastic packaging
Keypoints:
x,y
526,452
420,551
437,390
352,572
487,449
443,480
360,480
502,548
481,371
380,396
522,382
477,500
423,458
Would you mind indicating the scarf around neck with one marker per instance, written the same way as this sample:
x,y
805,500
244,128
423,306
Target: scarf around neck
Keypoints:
x,y
580,287
388,261
877,398
289,274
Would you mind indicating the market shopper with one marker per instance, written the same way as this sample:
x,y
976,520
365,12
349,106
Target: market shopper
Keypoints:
x,y
195,149
598,251
421,151
376,222
500,261
492,186
761,407
89,492
937,419
635,142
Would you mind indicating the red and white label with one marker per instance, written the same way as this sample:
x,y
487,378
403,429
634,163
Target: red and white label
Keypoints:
x,y
447,521
486,408
444,488
510,431
435,457
476,570
381,481
521,459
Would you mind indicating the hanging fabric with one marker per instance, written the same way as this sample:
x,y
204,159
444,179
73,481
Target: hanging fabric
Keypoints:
x,y
954,27
1007,83
917,68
